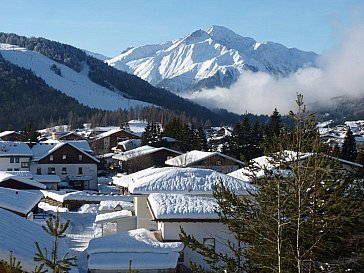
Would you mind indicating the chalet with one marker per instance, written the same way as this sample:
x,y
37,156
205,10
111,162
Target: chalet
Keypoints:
x,y
22,203
144,157
147,254
76,168
14,156
71,136
191,181
104,142
10,136
8,180
209,160
197,216
18,235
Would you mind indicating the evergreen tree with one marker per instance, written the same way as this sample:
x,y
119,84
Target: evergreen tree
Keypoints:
x,y
306,217
12,266
52,262
348,149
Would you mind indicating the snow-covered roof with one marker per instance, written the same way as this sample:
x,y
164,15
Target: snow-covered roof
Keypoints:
x,y
112,216
182,207
140,151
41,150
140,246
262,164
26,174
6,133
195,156
47,178
4,176
111,205
14,148
137,126
80,144
62,196
19,200
184,180
18,235
112,131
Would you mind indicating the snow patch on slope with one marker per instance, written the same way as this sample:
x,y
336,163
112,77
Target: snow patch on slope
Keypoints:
x,y
71,83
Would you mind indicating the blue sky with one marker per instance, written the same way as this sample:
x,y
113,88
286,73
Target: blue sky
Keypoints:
x,y
109,26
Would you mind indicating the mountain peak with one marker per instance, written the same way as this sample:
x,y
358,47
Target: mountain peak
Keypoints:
x,y
196,36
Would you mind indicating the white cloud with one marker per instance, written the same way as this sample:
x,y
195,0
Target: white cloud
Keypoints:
x,y
340,72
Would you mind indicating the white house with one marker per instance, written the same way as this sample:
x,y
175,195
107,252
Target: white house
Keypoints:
x,y
191,181
197,216
76,167
139,247
14,156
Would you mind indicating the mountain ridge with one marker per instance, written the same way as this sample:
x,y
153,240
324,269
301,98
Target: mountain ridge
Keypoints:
x,y
212,58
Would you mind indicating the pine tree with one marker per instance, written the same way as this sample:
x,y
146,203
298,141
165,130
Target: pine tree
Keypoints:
x,y
348,149
12,266
306,217
54,263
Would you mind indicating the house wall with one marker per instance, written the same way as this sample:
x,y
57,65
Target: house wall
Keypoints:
x,y
200,230
126,224
5,164
139,163
72,170
218,163
144,216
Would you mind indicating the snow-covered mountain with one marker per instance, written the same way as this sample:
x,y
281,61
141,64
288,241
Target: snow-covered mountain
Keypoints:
x,y
206,59
68,81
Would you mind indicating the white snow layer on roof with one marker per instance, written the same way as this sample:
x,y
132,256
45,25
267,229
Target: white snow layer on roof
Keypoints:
x,y
140,151
18,235
112,216
71,83
184,180
181,206
19,200
194,156
80,144
146,252
262,164
62,196
4,176
111,205
13,148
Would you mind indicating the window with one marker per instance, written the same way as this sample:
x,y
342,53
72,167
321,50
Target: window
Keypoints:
x,y
79,157
80,170
209,242
11,159
170,157
51,170
218,163
16,169
25,164
39,170
9,169
51,158
64,157
17,160
64,170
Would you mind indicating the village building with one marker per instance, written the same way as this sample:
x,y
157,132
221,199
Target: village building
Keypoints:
x,y
12,181
144,157
76,168
71,136
104,142
209,160
191,181
22,203
14,156
138,249
197,216
10,136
